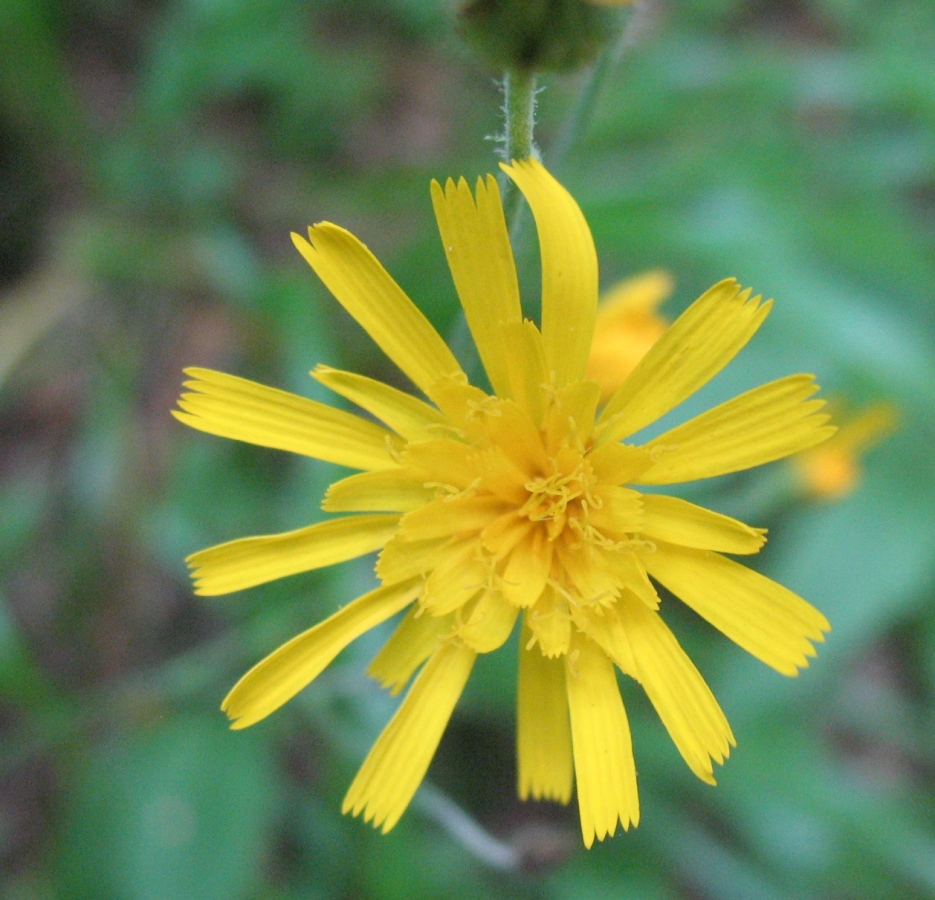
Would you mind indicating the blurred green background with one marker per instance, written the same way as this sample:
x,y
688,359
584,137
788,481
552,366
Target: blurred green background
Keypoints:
x,y
154,155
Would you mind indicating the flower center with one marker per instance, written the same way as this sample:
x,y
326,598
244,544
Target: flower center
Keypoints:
x,y
553,499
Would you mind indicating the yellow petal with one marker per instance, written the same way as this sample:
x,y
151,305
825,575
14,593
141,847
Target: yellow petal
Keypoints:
x,y
704,339
531,370
680,522
569,270
587,572
444,462
505,532
406,415
603,626
543,738
489,623
767,620
281,675
527,569
389,490
757,427
479,255
605,771
620,510
397,762
514,431
243,410
400,559
680,695
256,560
458,577
633,575
549,623
501,475
459,402
444,517
366,290
618,463
571,418
416,638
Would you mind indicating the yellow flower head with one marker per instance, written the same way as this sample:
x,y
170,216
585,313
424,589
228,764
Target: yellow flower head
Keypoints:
x,y
518,504
832,470
627,326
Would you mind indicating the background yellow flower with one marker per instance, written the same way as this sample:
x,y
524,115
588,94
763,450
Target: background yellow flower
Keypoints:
x,y
627,326
833,471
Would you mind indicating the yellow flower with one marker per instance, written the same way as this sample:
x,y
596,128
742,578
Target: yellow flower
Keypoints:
x,y
627,326
832,471
515,504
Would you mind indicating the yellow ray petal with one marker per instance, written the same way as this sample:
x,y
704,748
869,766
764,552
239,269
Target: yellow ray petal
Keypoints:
x,y
571,418
680,695
603,626
704,339
767,620
479,255
587,573
757,427
416,638
619,463
256,560
406,415
501,475
400,559
527,569
366,290
504,533
398,761
633,575
514,431
569,270
549,623
489,623
444,463
281,675
543,738
531,370
620,510
243,410
680,522
390,490
605,771
441,518
458,577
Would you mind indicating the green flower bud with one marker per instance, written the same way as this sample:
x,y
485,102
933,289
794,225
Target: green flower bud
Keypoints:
x,y
540,35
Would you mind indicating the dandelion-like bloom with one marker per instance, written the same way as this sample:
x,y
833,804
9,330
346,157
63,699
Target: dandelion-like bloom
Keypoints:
x,y
518,504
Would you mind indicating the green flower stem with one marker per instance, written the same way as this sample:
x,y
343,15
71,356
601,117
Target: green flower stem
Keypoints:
x,y
519,107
